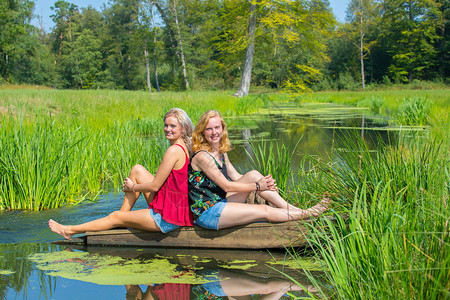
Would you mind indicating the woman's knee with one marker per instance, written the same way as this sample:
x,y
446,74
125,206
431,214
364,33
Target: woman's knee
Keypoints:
x,y
254,175
115,218
137,171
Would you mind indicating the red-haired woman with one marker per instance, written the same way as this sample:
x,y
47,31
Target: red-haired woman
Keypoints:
x,y
218,193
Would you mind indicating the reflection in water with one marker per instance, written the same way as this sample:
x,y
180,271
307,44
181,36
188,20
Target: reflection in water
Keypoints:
x,y
16,270
165,291
50,272
223,283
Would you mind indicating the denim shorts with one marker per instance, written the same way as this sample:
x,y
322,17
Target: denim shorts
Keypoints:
x,y
163,225
209,219
214,286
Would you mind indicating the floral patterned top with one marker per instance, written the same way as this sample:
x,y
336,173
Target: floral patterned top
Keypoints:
x,y
203,192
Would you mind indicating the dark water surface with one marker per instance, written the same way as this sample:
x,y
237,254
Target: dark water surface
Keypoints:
x,y
33,268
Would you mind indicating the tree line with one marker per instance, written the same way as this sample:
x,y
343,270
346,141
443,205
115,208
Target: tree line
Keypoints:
x,y
159,45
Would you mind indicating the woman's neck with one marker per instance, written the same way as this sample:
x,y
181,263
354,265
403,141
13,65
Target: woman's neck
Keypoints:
x,y
215,149
177,141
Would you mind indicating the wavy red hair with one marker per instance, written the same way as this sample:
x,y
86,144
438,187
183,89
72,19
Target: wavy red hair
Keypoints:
x,y
198,138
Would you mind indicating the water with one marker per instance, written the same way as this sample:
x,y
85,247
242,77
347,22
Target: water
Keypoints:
x,y
33,268
319,127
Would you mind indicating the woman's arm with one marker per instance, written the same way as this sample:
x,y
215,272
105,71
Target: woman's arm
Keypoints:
x,y
204,162
171,157
232,172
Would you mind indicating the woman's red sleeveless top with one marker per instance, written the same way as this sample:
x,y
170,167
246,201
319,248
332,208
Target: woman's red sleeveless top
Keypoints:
x,y
171,201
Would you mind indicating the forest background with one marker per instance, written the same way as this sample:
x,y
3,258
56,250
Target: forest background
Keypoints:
x,y
295,45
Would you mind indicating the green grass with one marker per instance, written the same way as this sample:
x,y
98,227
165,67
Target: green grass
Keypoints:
x,y
388,101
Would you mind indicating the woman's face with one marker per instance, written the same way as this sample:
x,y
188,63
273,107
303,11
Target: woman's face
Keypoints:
x,y
213,131
172,128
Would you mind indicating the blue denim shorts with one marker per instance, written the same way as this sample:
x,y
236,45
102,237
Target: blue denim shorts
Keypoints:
x,y
214,286
163,225
209,219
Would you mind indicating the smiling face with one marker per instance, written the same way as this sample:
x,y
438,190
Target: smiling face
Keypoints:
x,y
172,128
213,131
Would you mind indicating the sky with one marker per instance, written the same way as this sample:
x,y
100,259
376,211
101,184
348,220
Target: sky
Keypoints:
x,y
42,8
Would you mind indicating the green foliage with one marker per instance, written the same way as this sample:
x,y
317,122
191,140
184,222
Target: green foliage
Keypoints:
x,y
346,82
90,49
14,23
374,103
414,111
409,34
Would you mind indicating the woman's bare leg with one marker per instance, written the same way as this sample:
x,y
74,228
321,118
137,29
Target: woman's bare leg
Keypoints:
x,y
239,213
271,196
138,219
138,174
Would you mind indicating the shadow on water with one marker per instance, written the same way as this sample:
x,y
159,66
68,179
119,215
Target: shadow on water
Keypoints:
x,y
32,268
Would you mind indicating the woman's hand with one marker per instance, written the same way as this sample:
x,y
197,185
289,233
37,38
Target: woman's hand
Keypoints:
x,y
267,183
128,185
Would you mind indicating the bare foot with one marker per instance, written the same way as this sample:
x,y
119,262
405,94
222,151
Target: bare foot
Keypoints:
x,y
316,210
59,229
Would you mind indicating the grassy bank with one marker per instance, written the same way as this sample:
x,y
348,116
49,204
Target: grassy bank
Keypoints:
x,y
391,234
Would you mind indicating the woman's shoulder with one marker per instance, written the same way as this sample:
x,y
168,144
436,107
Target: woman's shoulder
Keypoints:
x,y
202,156
176,149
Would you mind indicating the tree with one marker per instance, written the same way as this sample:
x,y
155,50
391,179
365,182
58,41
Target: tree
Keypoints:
x,y
14,23
278,25
123,58
409,33
244,87
362,16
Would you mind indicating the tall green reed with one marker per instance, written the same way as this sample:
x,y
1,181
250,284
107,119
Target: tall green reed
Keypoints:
x,y
390,237
34,164
414,111
46,165
272,157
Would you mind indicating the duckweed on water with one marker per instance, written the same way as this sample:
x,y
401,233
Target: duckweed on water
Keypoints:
x,y
296,264
112,270
238,267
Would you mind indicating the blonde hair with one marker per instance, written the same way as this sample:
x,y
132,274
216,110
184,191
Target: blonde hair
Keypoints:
x,y
185,123
198,138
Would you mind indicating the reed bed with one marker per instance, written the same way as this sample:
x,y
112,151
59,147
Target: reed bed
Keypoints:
x,y
405,107
389,232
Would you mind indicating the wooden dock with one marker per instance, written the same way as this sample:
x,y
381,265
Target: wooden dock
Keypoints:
x,y
251,236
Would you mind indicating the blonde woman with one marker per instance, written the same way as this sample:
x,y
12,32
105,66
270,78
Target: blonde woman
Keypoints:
x,y
166,192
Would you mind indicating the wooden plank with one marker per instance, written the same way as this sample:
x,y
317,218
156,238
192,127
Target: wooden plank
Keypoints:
x,y
251,236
